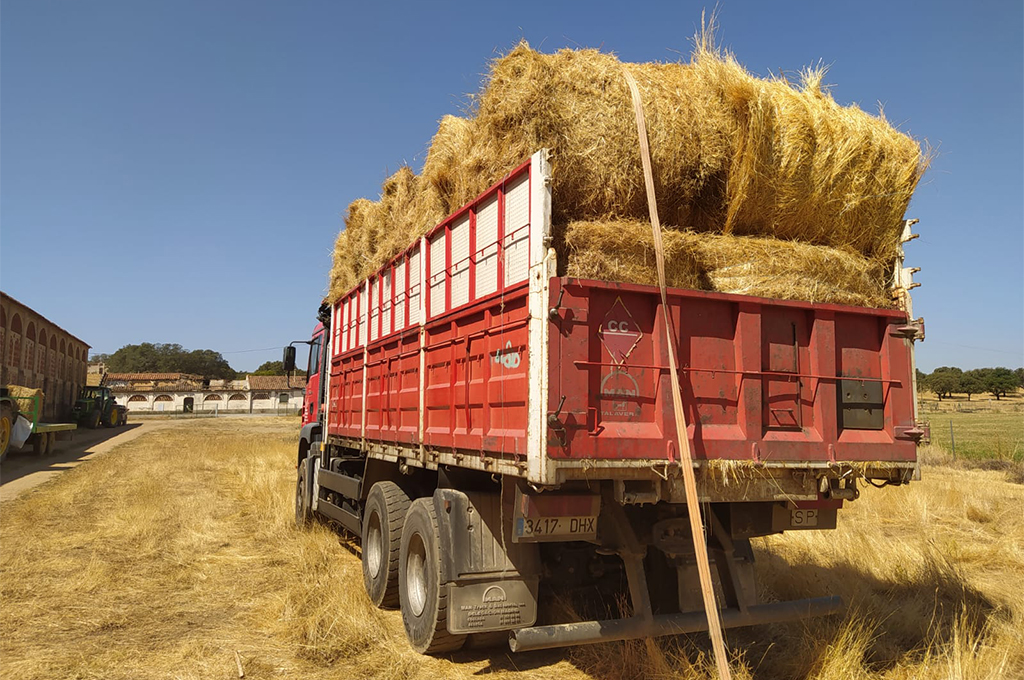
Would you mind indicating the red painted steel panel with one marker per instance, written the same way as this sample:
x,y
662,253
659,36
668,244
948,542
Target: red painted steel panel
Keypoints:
x,y
759,376
476,377
475,383
345,416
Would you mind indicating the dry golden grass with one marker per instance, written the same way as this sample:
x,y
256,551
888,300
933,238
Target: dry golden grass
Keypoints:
x,y
732,154
162,558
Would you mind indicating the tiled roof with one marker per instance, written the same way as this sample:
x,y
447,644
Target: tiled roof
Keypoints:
x,y
275,382
177,386
151,376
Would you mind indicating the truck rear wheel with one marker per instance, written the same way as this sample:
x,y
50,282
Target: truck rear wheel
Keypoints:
x,y
423,597
303,505
383,517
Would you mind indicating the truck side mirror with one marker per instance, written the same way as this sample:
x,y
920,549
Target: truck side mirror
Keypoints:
x,y
289,359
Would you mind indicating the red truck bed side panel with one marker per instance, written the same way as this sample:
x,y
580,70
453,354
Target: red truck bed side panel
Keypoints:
x,y
476,385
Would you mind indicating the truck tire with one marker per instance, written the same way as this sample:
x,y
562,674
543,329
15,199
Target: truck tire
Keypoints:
x,y
6,425
383,517
303,506
423,597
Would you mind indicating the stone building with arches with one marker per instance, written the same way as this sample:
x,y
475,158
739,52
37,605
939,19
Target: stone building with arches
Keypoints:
x,y
185,393
40,354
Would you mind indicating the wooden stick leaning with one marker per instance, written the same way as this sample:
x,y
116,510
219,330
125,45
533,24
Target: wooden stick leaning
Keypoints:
x,y
686,457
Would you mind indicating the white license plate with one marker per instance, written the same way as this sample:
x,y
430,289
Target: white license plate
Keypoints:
x,y
569,527
803,518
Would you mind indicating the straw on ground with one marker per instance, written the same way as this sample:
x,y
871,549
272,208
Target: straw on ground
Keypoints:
x,y
164,557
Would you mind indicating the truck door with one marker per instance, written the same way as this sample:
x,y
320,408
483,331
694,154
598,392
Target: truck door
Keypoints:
x,y
309,401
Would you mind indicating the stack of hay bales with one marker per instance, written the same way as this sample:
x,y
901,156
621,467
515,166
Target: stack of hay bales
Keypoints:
x,y
773,190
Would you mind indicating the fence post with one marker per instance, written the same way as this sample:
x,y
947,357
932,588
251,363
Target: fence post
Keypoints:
x,y
952,441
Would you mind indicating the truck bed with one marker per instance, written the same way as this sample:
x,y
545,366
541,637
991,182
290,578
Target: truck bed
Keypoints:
x,y
467,350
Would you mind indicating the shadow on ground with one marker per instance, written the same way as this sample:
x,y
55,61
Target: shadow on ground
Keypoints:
x,y
21,463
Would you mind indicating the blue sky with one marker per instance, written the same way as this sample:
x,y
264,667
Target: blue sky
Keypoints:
x,y
177,171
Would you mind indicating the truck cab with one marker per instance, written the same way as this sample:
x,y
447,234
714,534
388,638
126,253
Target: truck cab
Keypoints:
x,y
311,399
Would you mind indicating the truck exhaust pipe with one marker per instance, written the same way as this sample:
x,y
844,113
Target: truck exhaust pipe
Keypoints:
x,y
590,632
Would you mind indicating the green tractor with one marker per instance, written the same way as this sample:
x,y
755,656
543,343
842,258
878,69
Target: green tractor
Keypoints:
x,y
95,406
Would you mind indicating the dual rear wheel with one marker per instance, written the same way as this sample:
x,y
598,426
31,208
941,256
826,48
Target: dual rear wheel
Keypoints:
x,y
424,600
383,516
402,565
401,561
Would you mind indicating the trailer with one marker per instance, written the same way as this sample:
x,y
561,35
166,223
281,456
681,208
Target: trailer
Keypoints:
x,y
44,435
491,431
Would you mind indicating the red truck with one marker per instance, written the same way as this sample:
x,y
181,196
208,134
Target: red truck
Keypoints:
x,y
490,430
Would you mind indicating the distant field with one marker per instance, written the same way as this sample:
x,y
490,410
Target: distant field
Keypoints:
x,y
1011,403
167,556
980,435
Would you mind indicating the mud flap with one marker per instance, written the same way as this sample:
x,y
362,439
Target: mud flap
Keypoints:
x,y
492,582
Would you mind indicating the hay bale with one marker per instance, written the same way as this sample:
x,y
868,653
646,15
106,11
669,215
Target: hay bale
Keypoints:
x,y
624,251
23,395
451,168
576,103
791,270
732,154
745,265
805,168
376,231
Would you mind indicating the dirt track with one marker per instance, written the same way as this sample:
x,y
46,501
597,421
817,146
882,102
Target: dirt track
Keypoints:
x,y
22,470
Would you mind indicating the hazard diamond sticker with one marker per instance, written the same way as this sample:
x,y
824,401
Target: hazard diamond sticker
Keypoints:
x,y
619,332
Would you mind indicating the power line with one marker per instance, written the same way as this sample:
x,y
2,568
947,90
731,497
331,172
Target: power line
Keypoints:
x,y
243,351
982,349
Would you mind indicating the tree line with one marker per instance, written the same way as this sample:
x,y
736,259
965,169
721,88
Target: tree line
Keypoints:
x,y
149,357
946,381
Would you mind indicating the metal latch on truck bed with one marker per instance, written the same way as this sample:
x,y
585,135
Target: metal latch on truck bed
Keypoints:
x,y
912,330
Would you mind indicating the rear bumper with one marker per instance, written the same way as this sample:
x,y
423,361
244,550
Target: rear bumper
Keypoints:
x,y
589,632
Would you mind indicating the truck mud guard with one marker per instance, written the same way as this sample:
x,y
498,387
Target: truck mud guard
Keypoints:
x,y
589,632
492,582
